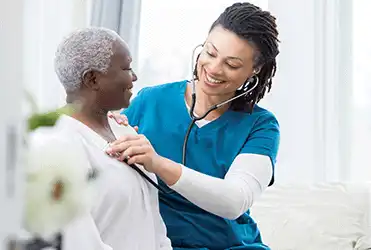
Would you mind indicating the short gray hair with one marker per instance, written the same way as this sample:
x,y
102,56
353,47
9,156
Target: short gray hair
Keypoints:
x,y
83,50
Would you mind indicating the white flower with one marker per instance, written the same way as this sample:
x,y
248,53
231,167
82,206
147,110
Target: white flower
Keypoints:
x,y
57,186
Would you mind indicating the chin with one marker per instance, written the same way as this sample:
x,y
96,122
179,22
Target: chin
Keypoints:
x,y
126,105
119,106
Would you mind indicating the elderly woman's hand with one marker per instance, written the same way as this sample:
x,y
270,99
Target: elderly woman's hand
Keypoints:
x,y
137,149
120,119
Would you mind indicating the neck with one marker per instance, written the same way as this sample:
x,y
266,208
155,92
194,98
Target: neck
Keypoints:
x,y
204,102
90,115
86,111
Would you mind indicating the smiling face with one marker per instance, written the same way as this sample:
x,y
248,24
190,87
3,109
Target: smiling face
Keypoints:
x,y
114,87
225,63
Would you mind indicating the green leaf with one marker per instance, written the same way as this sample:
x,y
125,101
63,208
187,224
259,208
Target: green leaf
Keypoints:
x,y
48,119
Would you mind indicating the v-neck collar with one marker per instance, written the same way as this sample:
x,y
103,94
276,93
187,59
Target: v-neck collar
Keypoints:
x,y
86,132
211,125
93,137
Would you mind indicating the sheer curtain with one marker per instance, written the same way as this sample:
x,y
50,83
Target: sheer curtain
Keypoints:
x,y
311,97
169,31
361,89
46,22
122,16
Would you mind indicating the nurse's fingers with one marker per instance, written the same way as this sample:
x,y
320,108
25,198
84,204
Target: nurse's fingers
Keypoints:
x,y
119,118
140,159
126,138
121,147
134,151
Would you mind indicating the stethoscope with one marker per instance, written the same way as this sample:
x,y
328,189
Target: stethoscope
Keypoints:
x,y
193,102
194,119
136,167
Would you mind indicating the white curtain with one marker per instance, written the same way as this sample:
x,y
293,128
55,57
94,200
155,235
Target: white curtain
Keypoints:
x,y
122,16
311,94
361,91
324,127
169,31
46,22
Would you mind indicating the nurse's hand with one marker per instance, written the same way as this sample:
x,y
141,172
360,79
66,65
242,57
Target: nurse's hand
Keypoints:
x,y
137,149
120,119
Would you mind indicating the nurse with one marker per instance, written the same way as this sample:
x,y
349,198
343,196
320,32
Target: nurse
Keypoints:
x,y
231,153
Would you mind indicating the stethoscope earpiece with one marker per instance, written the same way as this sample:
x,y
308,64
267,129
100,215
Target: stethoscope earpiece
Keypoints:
x,y
194,118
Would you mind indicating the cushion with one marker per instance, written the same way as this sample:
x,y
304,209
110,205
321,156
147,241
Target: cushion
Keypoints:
x,y
331,216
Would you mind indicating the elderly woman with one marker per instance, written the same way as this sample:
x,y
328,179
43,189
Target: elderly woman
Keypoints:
x,y
93,64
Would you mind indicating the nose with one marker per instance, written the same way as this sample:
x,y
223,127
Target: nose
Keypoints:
x,y
214,67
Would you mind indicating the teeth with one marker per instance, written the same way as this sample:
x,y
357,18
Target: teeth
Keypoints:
x,y
212,80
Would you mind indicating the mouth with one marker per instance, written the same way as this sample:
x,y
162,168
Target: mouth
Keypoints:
x,y
129,89
212,81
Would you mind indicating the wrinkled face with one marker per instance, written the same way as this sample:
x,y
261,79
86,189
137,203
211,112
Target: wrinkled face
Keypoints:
x,y
114,87
225,63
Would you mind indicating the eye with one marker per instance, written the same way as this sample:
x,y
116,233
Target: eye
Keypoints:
x,y
210,54
232,66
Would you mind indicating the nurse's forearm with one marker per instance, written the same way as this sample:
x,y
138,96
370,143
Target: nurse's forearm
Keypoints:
x,y
169,171
230,197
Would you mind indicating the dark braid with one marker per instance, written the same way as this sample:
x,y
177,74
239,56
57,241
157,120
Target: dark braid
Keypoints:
x,y
259,28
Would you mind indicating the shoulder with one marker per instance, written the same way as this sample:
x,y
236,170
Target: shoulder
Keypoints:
x,y
161,89
149,99
264,117
264,135
258,119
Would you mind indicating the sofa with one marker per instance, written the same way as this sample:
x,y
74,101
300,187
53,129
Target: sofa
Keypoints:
x,y
322,216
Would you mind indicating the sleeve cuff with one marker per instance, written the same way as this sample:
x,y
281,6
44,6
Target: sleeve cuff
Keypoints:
x,y
183,180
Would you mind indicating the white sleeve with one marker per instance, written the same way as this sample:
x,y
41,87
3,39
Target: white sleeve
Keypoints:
x,y
82,233
248,176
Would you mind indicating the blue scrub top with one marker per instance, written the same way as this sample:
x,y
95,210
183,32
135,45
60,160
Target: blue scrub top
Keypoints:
x,y
162,116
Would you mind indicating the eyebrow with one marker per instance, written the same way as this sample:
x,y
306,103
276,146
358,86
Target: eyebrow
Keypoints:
x,y
229,57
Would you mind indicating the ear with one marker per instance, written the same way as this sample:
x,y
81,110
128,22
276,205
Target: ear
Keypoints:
x,y
256,70
89,80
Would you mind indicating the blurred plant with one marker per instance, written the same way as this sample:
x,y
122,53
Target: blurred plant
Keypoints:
x,y
58,179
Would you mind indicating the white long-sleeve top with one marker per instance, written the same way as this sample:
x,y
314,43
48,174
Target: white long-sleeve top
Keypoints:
x,y
247,178
125,213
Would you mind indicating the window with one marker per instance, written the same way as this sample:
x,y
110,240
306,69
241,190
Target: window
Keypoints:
x,y
45,24
361,119
169,31
315,145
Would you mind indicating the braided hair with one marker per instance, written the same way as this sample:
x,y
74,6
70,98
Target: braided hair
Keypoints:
x,y
259,28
